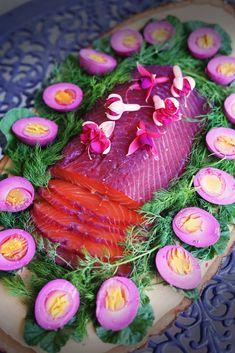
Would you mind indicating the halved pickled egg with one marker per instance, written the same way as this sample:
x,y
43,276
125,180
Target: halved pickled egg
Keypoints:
x,y
96,62
178,267
35,130
17,248
16,194
126,42
221,142
158,32
204,42
117,303
56,304
221,69
63,96
215,186
229,107
197,227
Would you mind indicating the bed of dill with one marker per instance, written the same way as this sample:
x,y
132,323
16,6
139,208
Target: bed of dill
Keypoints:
x,y
33,164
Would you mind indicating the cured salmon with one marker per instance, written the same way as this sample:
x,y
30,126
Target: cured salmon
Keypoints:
x,y
92,200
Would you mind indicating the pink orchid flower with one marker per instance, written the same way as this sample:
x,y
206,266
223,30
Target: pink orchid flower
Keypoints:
x,y
182,86
115,107
166,111
143,140
97,138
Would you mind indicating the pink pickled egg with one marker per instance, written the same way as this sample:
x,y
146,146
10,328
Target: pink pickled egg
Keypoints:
x,y
96,62
197,227
56,304
126,42
17,248
221,69
63,96
178,267
35,130
158,32
16,194
117,303
204,42
229,107
221,142
215,185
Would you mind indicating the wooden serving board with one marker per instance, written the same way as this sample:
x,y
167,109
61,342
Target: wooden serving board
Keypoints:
x,y
13,312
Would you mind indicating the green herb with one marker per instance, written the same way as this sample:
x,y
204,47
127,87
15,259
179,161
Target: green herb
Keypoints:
x,y
134,333
10,117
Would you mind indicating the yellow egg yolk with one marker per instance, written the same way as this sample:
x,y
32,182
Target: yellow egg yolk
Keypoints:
x,y
129,41
36,129
98,58
212,184
65,97
206,41
226,69
225,144
161,34
57,304
16,197
14,248
179,261
192,223
115,298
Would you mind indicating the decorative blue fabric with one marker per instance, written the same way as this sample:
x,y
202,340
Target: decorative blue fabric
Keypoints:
x,y
32,39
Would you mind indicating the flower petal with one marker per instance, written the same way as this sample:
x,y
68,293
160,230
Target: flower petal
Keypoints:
x,y
177,71
158,102
143,71
134,146
174,93
191,81
107,127
90,123
108,148
178,83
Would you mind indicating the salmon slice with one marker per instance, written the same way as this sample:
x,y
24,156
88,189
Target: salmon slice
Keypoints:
x,y
112,211
75,241
61,204
49,214
94,186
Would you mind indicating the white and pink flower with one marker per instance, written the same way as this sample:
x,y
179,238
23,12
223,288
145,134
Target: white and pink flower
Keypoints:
x,y
182,86
115,107
97,137
166,111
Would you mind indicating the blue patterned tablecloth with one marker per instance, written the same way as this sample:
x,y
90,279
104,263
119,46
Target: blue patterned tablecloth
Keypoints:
x,y
32,39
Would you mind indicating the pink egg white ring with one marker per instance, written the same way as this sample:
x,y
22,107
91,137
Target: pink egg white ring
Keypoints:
x,y
56,304
117,303
63,96
17,248
204,42
178,267
16,194
221,69
95,62
221,142
158,32
229,107
215,186
126,42
35,130
196,227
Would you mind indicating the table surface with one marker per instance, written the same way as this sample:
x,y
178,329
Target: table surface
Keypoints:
x,y
34,37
